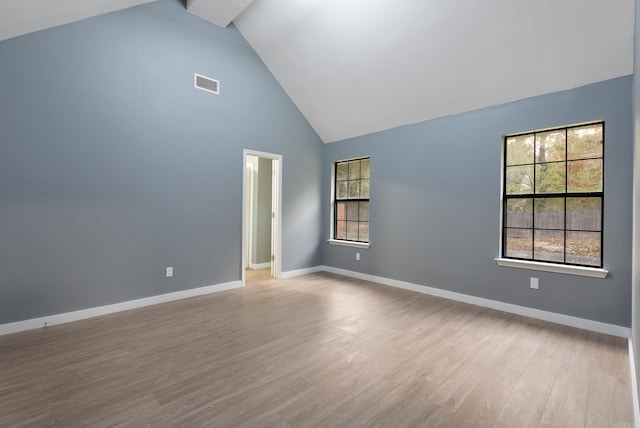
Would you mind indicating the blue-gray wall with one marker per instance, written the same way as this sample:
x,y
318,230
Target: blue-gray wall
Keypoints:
x,y
635,324
112,166
435,203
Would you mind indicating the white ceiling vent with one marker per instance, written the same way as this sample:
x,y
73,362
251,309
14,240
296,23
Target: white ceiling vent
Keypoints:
x,y
206,83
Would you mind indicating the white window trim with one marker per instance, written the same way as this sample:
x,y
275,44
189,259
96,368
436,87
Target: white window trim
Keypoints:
x,y
340,242
552,267
536,265
343,243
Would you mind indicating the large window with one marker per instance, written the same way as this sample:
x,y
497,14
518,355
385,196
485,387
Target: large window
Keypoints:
x,y
553,195
351,200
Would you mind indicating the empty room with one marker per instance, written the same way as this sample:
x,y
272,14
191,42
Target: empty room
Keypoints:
x,y
303,213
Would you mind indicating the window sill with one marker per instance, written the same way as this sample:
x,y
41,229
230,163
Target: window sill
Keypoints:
x,y
550,267
348,243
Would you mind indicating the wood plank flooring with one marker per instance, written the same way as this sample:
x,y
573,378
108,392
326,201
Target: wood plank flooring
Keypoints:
x,y
314,351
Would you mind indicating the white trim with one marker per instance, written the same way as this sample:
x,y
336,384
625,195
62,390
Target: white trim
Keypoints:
x,y
277,266
634,385
264,265
35,323
250,168
502,168
354,244
555,268
299,272
332,201
597,326
276,215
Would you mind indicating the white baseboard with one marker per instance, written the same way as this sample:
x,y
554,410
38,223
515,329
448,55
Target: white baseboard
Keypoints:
x,y
634,385
568,320
116,307
265,265
298,272
585,324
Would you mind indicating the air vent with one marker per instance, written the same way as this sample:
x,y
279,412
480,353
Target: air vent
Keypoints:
x,y
206,83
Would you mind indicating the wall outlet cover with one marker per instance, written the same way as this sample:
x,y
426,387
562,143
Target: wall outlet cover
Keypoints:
x,y
534,283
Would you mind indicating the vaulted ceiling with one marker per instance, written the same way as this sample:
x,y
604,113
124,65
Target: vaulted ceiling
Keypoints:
x,y
18,17
358,66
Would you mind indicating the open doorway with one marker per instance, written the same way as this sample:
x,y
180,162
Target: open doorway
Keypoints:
x,y
261,229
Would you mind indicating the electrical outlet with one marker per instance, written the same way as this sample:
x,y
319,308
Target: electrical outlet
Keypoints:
x,y
169,271
534,283
357,256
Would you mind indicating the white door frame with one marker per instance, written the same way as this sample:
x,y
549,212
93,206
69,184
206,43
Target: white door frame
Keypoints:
x,y
276,206
247,219
275,192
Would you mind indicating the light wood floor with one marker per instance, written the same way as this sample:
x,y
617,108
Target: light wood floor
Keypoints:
x,y
319,350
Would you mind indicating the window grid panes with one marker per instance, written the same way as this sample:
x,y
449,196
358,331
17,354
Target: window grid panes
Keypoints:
x,y
351,204
554,195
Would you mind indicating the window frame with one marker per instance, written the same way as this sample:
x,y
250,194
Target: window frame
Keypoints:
x,y
550,265
334,206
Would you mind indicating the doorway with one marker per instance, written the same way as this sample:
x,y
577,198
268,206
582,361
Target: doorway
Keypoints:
x,y
261,208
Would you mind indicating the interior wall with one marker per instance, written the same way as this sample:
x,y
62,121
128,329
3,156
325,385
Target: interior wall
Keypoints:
x,y
435,203
114,166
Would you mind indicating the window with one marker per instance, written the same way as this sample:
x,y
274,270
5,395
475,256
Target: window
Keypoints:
x,y
553,195
351,200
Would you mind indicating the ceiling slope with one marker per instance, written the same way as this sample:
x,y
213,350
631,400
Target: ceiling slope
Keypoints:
x,y
360,66
18,17
220,12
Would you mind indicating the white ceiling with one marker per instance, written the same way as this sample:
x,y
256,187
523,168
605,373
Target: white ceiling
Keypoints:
x,y
220,12
358,66
18,17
